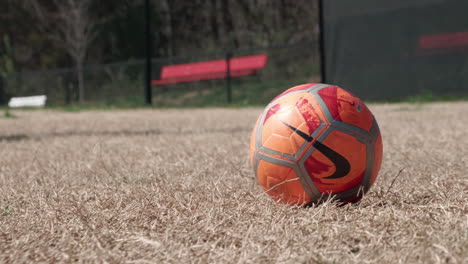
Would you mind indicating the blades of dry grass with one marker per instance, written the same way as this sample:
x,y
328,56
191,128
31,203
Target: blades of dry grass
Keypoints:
x,y
393,181
152,186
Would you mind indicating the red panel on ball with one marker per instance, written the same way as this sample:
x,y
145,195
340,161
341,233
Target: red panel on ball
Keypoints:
x,y
271,112
320,168
293,89
346,107
309,114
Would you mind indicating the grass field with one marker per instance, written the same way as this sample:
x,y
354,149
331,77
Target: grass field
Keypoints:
x,y
154,186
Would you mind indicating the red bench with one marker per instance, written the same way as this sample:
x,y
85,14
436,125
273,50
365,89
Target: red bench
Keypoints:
x,y
207,70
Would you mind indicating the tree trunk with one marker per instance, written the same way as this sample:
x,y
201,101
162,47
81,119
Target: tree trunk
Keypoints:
x,y
166,30
214,21
81,88
228,24
171,22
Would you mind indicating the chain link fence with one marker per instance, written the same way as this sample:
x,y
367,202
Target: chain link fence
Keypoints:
x,y
123,83
387,50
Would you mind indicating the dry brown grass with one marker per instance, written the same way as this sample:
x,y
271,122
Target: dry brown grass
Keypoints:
x,y
153,186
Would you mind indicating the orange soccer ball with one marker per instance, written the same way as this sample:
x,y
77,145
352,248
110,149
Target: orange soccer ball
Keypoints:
x,y
314,141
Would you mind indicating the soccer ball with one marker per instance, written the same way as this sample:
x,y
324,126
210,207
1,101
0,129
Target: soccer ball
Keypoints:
x,y
314,142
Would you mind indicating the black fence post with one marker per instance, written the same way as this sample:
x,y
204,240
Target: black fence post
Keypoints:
x,y
66,82
148,91
228,76
2,91
323,76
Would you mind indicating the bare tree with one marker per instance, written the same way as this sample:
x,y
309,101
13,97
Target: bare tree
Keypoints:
x,y
69,23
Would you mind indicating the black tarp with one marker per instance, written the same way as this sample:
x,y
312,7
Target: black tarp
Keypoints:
x,y
387,49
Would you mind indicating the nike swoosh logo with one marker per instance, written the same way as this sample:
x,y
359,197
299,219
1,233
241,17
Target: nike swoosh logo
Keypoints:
x,y
342,166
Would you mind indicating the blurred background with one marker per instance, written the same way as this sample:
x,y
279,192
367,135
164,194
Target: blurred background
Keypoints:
x,y
92,52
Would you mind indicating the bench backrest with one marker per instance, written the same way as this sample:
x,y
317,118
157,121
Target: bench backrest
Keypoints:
x,y
205,70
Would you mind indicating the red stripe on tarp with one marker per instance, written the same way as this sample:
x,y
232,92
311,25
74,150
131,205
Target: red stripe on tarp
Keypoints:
x,y
443,40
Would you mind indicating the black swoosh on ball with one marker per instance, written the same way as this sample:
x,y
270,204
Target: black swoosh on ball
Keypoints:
x,y
342,166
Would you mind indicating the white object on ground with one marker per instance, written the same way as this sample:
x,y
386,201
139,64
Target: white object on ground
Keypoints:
x,y
28,101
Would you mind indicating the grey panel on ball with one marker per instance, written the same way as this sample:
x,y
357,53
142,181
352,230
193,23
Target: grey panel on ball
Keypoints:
x,y
349,127
318,87
322,104
303,171
287,164
255,163
375,131
365,139
277,161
